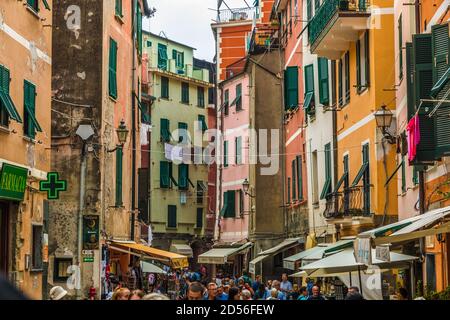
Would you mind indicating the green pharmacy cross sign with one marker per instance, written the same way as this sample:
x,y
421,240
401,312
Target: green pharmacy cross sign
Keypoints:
x,y
53,186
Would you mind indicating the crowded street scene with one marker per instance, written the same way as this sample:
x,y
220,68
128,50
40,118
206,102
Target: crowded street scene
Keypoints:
x,y
226,150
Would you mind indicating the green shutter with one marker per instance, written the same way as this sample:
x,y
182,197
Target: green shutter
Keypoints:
x,y
5,99
46,5
202,120
299,177
423,80
119,175
171,216
347,77
139,29
199,223
239,97
164,174
340,71
327,186
309,9
316,6
230,204
289,190
119,8
183,176
201,97
358,65
323,81
226,98
162,56
182,137
309,78
225,153
403,174
367,54
30,122
112,68
294,180
184,92
165,87
238,152
440,49
223,211
33,4
291,87
410,81
165,130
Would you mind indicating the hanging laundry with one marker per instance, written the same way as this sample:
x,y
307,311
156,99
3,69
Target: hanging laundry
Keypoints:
x,y
168,151
413,129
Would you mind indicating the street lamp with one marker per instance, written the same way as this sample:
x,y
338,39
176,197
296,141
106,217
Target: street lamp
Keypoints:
x,y
122,135
383,118
246,187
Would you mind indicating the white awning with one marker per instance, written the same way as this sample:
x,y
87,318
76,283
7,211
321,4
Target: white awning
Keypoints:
x,y
299,274
252,264
344,261
148,267
289,262
424,222
286,244
183,249
220,255
328,249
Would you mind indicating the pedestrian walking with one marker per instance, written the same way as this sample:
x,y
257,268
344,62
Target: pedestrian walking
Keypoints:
x,y
281,295
221,295
246,295
262,293
295,292
353,294
273,294
121,294
256,283
136,295
285,285
195,291
212,291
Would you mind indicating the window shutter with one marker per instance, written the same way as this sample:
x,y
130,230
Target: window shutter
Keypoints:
x,y
185,92
172,216
164,87
201,118
5,98
239,150
231,206
347,77
239,97
291,87
423,80
299,177
367,55
165,130
183,176
403,174
440,49
294,180
223,211
226,99
309,9
358,65
199,218
289,190
113,68
200,96
309,78
341,101
225,153
162,56
164,174
174,55
323,81
410,80
119,175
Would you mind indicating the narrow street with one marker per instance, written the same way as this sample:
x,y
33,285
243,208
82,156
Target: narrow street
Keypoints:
x,y
224,150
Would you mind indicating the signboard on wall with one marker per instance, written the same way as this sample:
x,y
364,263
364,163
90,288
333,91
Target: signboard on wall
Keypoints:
x,y
383,253
13,182
90,232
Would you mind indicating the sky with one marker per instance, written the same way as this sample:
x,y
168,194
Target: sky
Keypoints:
x,y
188,22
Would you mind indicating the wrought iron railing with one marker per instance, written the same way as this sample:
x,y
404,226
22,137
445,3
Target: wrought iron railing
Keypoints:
x,y
352,202
239,14
327,11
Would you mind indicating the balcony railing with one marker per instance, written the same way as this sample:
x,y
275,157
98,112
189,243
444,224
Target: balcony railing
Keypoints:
x,y
239,14
328,10
352,202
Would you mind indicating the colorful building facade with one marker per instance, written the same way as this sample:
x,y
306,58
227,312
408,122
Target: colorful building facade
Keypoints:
x,y
25,142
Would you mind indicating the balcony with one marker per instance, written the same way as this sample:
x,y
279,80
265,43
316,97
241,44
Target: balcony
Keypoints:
x,y
352,203
238,14
335,25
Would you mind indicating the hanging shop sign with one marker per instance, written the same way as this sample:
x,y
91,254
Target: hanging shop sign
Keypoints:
x,y
13,182
90,232
363,251
53,186
383,253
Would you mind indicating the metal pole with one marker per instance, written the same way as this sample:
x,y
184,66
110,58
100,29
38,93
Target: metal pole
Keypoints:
x,y
350,273
360,281
80,214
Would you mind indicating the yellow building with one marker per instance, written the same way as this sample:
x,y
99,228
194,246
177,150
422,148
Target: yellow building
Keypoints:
x,y
25,99
179,100
358,35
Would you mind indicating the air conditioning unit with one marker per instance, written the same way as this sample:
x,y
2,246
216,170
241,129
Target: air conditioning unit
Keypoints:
x,y
183,197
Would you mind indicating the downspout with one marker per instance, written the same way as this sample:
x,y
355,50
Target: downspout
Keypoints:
x,y
335,140
219,143
133,126
80,214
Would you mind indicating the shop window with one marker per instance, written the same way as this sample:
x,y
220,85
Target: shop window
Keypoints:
x,y
60,269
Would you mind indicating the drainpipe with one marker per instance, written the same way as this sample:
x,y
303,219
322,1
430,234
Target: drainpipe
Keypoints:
x,y
335,141
80,213
133,126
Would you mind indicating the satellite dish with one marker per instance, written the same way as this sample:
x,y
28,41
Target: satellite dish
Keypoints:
x,y
85,131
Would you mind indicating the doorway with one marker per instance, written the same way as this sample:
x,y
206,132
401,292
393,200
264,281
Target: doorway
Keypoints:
x,y
3,238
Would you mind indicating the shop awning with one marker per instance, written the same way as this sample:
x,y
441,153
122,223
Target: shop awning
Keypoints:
x,y
407,229
220,255
183,249
344,261
289,262
327,250
254,262
286,244
148,267
175,260
299,274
